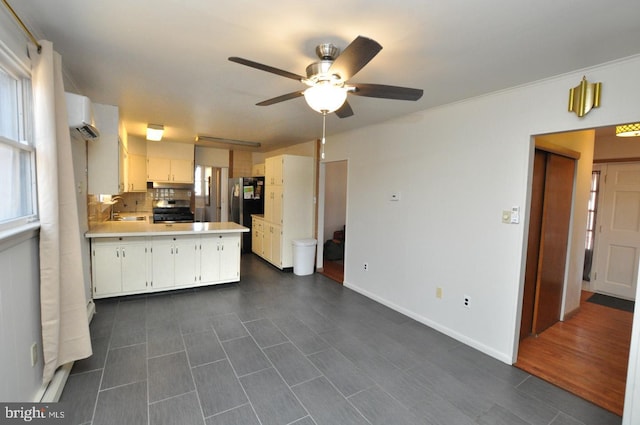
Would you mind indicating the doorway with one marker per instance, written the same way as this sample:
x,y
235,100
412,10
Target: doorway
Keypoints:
x,y
334,219
572,353
207,192
549,228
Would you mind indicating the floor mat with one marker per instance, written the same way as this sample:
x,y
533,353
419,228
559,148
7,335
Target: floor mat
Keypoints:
x,y
613,302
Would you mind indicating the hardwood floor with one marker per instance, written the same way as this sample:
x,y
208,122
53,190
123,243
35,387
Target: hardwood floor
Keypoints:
x,y
333,270
586,355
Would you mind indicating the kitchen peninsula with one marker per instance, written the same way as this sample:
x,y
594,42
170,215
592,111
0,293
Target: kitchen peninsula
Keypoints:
x,y
133,257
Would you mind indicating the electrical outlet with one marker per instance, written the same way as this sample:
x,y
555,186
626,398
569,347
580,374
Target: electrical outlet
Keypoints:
x,y
438,292
34,354
365,267
467,301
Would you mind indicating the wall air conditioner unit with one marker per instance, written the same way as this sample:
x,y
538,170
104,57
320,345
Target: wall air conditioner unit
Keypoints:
x,y
80,116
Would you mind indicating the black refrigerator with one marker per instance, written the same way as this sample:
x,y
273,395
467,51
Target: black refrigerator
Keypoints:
x,y
246,197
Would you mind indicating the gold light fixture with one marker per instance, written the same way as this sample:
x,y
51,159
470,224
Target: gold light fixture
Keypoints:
x,y
583,97
325,97
154,132
628,130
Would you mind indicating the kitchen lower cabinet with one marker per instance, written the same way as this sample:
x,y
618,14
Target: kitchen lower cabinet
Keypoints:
x,y
120,266
257,236
219,259
174,261
133,265
272,244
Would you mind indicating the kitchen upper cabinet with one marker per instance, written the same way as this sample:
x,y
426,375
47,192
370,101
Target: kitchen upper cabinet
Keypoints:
x,y
136,165
273,169
257,170
106,155
136,173
120,266
170,162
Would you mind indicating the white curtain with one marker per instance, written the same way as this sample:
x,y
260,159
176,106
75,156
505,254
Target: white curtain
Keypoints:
x,y
65,328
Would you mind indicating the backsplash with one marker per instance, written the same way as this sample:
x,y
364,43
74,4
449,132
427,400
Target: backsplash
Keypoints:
x,y
132,202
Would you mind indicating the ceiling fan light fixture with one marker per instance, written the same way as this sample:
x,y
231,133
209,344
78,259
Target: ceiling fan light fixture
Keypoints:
x,y
325,97
155,132
628,130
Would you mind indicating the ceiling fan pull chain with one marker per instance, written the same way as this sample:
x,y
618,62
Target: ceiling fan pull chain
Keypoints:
x,y
324,126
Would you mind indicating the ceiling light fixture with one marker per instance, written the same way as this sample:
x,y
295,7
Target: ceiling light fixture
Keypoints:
x,y
628,130
202,138
154,132
325,97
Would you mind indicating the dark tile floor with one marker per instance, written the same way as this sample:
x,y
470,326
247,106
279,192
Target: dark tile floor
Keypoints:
x,y
278,348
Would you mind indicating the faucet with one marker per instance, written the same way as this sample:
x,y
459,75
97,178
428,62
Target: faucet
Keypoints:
x,y
114,200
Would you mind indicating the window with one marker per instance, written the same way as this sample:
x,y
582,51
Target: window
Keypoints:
x,y
17,156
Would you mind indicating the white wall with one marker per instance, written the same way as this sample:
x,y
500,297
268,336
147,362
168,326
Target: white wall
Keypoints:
x,y
20,318
213,157
458,167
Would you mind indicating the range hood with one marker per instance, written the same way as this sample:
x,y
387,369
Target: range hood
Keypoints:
x,y
80,116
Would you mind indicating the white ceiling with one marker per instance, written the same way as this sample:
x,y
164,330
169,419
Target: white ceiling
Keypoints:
x,y
165,61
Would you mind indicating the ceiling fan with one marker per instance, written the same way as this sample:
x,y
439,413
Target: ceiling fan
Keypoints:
x,y
327,79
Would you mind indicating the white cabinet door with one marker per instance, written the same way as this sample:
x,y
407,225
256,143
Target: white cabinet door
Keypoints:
x,y
137,173
273,170
229,257
182,171
185,260
174,261
163,267
107,272
257,236
276,245
104,155
158,169
133,256
219,258
209,259
273,205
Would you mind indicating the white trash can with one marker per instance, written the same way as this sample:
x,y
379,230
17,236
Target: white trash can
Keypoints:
x,y
304,255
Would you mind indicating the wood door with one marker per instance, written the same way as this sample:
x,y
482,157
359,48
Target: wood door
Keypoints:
x,y
618,239
550,217
533,244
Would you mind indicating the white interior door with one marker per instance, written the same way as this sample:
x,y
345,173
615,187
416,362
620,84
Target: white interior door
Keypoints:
x,y
618,240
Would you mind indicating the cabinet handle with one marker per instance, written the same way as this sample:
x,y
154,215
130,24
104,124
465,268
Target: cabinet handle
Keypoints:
x,y
117,253
176,250
123,253
171,250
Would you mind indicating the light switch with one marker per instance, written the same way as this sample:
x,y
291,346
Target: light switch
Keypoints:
x,y
515,215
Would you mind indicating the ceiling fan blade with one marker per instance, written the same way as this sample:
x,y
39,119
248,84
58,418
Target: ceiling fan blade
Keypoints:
x,y
387,92
282,98
354,57
267,68
344,111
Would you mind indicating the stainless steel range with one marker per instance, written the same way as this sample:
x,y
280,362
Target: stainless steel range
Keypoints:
x,y
172,211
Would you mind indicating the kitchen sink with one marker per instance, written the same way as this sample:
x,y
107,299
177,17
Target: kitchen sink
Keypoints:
x,y
132,218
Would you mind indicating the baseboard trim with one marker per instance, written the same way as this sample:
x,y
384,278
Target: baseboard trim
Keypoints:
x,y
434,325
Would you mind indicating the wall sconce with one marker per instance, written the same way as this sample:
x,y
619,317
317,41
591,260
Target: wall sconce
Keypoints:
x,y
154,132
584,96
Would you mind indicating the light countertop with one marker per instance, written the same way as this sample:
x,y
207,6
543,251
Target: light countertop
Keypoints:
x,y
110,229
